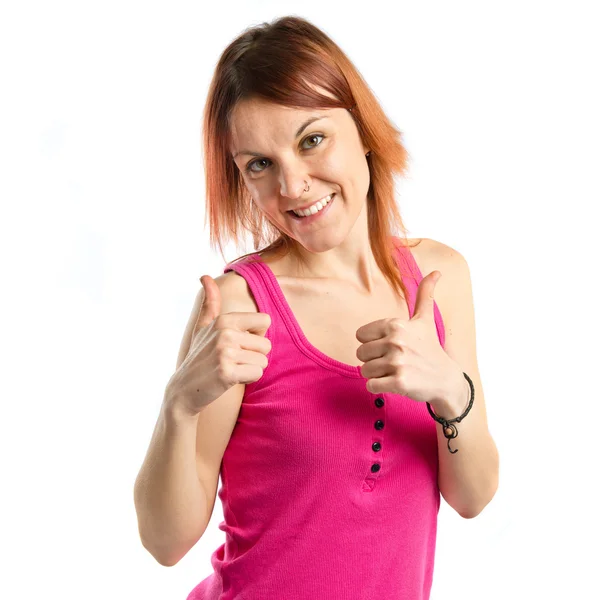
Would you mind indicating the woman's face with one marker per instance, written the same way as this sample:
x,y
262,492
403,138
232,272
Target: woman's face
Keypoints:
x,y
278,158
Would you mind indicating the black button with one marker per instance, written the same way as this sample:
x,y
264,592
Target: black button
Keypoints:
x,y
379,402
379,424
376,446
375,468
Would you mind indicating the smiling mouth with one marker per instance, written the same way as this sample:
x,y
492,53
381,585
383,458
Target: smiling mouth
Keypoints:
x,y
299,218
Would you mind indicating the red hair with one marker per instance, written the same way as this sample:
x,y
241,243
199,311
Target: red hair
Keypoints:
x,y
282,62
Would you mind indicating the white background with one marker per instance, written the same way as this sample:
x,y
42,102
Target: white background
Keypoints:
x,y
102,246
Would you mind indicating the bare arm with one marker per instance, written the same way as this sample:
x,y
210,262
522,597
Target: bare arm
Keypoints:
x,y
176,488
170,501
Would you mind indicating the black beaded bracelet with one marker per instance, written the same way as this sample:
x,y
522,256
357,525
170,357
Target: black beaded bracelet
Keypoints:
x,y
450,431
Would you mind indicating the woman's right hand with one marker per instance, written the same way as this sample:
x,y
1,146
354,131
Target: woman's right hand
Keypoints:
x,y
225,350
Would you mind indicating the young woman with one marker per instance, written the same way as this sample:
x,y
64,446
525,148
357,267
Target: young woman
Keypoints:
x,y
316,376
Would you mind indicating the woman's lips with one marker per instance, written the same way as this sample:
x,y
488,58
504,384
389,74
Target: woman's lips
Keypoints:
x,y
318,214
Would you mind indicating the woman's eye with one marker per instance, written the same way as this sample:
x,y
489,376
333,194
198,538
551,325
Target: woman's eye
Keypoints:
x,y
259,160
314,135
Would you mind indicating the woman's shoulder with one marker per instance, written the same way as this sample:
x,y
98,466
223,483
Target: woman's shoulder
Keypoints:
x,y
425,252
432,254
236,292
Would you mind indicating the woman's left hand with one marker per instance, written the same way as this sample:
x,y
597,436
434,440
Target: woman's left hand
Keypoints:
x,y
406,357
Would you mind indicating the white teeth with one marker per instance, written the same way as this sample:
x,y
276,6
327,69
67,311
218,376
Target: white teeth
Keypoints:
x,y
315,208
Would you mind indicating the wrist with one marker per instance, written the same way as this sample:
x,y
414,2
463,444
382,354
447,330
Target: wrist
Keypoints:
x,y
175,411
455,402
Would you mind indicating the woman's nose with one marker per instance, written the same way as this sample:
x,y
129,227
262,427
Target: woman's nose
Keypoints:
x,y
293,182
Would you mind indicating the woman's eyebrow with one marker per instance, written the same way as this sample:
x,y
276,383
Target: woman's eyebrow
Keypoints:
x,y
298,133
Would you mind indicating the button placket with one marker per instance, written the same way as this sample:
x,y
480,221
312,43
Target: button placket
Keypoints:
x,y
379,424
376,446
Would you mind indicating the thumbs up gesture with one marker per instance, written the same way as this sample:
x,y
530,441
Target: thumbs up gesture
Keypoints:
x,y
405,356
226,349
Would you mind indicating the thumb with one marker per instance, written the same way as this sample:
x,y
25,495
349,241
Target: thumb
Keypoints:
x,y
425,295
211,307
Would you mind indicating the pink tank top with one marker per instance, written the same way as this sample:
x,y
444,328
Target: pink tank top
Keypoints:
x,y
328,490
